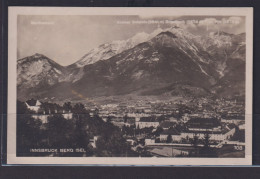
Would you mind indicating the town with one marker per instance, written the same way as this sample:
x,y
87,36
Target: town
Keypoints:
x,y
187,127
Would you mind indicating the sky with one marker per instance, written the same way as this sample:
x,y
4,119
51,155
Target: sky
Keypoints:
x,y
65,39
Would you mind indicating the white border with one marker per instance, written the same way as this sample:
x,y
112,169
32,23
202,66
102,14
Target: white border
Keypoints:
x,y
12,59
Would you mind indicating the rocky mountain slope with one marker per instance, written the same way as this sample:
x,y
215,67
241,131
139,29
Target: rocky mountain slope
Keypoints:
x,y
38,72
166,62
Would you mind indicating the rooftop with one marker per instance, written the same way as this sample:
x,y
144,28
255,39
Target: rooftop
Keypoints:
x,y
234,117
171,131
203,123
148,119
167,124
32,102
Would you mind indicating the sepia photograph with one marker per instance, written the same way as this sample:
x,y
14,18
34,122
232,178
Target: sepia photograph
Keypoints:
x,y
130,86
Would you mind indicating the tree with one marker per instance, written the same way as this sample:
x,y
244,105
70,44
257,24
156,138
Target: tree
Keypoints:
x,y
130,131
50,107
28,134
195,142
59,131
80,135
187,139
125,118
124,129
80,112
161,118
143,152
206,139
79,109
169,139
67,106
138,131
206,150
112,145
109,119
22,108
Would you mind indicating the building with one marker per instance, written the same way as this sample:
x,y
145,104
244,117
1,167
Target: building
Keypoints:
x,y
138,116
204,124
218,136
173,119
68,115
213,136
233,119
174,133
242,127
149,141
185,118
146,122
44,117
93,142
167,152
129,121
167,124
33,105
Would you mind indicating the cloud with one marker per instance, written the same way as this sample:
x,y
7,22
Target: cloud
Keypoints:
x,y
209,21
234,20
231,24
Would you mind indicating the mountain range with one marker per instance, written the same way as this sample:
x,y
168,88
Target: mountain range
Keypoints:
x,y
169,61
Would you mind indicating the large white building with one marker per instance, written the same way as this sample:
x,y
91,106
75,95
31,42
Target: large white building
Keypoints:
x,y
146,122
213,136
199,127
44,117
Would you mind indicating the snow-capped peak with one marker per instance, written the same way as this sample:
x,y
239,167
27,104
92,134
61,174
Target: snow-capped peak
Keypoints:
x,y
106,51
37,55
139,37
219,39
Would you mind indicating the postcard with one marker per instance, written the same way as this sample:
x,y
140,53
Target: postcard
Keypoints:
x,y
130,86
